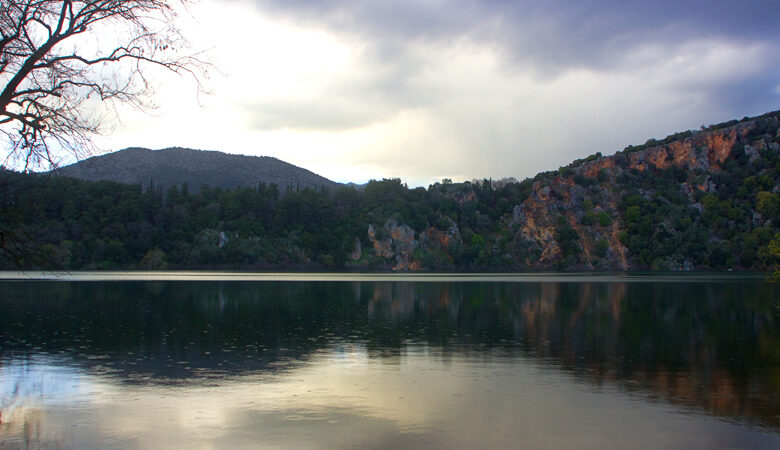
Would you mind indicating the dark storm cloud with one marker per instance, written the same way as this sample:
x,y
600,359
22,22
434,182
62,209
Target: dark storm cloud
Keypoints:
x,y
551,35
543,39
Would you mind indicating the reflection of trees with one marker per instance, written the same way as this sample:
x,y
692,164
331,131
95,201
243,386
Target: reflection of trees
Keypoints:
x,y
711,346
168,331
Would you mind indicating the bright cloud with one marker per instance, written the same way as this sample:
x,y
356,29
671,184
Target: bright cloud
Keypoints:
x,y
459,89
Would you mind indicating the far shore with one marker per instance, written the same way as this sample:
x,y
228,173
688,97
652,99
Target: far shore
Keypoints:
x,y
527,277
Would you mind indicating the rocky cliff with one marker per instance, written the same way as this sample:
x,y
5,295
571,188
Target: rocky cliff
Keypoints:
x,y
612,212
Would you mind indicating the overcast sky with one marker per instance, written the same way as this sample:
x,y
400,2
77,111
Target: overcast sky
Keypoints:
x,y
462,89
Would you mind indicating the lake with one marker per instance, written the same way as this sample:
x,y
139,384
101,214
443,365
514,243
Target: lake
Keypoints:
x,y
235,360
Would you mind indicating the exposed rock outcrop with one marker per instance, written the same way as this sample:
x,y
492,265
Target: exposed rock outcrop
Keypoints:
x,y
396,243
559,198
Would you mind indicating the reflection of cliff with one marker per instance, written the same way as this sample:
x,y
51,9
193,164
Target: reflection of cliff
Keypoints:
x,y
697,346
694,350
402,300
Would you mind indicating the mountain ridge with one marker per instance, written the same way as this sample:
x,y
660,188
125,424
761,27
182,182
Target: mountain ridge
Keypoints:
x,y
702,155
177,165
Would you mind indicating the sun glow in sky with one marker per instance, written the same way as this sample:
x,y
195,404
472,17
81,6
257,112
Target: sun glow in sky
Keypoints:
x,y
462,89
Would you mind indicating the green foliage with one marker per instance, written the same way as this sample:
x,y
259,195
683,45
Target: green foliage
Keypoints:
x,y
579,162
601,248
768,204
726,217
154,260
85,225
774,254
565,171
604,219
632,214
568,239
589,218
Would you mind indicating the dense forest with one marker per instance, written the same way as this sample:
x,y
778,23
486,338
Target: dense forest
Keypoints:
x,y
706,199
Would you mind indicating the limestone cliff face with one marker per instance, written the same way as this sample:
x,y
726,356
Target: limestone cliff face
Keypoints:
x,y
575,218
397,245
705,150
441,239
560,198
402,248
357,251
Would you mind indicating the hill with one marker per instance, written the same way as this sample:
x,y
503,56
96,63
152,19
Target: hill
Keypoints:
x,y
176,166
697,200
662,205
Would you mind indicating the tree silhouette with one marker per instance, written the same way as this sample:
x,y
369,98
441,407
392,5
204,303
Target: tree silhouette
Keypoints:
x,y
64,63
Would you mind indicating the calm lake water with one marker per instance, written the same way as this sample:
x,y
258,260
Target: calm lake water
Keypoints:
x,y
338,361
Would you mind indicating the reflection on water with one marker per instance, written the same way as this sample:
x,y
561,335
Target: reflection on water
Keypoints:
x,y
28,387
390,363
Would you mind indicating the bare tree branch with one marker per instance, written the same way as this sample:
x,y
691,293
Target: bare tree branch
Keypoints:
x,y
46,86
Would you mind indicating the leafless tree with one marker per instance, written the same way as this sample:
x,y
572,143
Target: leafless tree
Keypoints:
x,y
65,63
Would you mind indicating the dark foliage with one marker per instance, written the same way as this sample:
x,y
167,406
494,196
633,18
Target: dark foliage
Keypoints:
x,y
658,218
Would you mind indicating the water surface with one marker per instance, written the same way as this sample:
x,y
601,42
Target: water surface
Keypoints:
x,y
205,360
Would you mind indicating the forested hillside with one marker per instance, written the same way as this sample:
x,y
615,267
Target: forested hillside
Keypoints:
x,y
707,199
178,166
